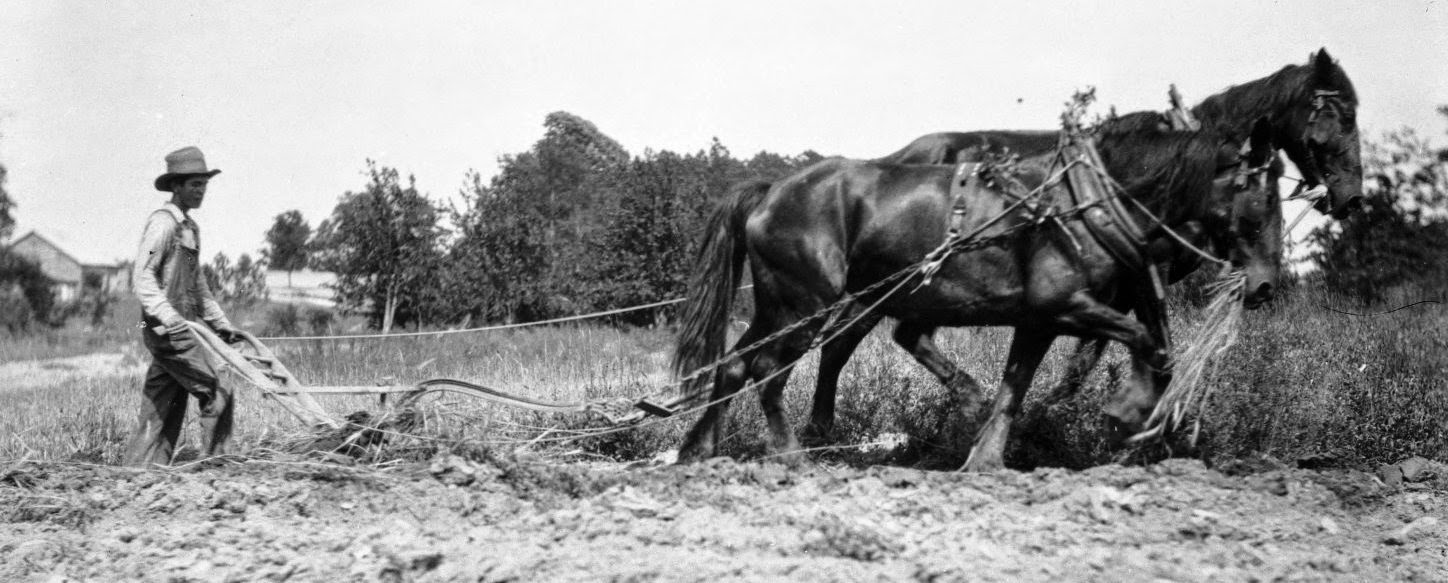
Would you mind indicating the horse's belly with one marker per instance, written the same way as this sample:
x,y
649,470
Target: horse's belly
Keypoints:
x,y
980,288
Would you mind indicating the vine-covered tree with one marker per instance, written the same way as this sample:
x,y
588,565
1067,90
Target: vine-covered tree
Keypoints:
x,y
385,245
287,243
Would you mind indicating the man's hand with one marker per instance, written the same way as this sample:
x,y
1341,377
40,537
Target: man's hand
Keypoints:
x,y
228,334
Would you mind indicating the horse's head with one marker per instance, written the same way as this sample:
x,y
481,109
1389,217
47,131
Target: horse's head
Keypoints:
x,y
1320,135
1249,211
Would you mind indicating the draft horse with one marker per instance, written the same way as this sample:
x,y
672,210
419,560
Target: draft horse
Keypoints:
x,y
1244,227
842,226
1311,110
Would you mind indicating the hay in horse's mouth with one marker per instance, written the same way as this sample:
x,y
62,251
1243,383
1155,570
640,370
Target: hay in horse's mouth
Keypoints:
x,y
1222,320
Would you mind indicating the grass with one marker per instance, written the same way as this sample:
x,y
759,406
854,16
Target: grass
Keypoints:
x,y
1301,382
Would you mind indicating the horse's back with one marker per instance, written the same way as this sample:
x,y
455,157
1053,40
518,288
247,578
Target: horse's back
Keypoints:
x,y
955,147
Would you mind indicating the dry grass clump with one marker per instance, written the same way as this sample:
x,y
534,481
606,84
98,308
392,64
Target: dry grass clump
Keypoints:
x,y
1189,391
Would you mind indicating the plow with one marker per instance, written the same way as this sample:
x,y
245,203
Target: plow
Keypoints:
x,y
252,365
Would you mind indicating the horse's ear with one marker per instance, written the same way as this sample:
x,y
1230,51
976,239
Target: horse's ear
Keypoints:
x,y
1322,64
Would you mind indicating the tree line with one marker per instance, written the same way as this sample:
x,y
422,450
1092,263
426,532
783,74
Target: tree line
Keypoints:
x,y
577,224
574,224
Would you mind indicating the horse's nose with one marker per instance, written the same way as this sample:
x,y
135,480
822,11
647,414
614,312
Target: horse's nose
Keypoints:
x,y
1347,208
1259,296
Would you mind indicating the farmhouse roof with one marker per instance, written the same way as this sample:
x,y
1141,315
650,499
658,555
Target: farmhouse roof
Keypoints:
x,y
47,269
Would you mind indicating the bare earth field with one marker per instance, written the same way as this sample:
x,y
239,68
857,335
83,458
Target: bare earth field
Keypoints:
x,y
521,520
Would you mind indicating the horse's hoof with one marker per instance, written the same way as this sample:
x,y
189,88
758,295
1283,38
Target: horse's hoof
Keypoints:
x,y
692,455
1118,430
814,435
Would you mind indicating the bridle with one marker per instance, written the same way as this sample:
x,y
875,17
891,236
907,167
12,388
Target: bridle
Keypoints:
x,y
1311,170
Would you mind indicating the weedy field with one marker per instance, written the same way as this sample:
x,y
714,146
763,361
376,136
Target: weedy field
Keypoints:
x,y
485,493
1304,382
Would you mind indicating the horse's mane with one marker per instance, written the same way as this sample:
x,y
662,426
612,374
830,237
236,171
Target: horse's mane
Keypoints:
x,y
1171,171
1228,110
1133,123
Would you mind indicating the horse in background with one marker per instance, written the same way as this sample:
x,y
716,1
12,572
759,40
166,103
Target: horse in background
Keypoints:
x,y
1311,110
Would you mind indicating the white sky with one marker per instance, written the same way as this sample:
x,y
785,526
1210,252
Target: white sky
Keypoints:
x,y
290,98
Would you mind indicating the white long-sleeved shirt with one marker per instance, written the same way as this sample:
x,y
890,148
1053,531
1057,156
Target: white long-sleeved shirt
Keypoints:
x,y
156,266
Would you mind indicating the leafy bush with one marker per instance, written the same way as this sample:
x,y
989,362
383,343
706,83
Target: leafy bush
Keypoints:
x,y
22,282
1398,236
297,320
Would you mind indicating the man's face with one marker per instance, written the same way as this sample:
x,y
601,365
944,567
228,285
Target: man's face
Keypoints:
x,y
189,192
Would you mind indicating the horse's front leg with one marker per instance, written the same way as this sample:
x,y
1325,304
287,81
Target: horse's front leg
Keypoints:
x,y
1152,313
918,339
1129,407
1028,347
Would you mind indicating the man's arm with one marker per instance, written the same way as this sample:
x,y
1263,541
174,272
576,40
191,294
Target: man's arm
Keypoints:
x,y
149,257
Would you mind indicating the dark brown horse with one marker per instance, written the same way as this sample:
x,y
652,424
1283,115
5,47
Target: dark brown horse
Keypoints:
x,y
1312,110
1245,229
843,226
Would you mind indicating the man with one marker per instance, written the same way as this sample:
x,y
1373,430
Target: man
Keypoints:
x,y
168,280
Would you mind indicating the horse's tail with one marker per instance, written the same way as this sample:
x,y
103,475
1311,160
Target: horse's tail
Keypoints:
x,y
719,266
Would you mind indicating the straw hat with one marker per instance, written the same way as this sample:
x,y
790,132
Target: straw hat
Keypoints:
x,y
187,161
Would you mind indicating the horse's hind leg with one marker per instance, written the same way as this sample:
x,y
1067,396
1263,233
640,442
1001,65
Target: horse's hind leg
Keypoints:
x,y
772,359
702,440
1028,347
833,356
918,339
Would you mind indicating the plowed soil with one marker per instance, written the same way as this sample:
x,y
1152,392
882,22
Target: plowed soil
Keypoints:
x,y
521,520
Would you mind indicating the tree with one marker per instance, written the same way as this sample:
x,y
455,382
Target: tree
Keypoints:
x,y
26,295
521,247
1398,236
385,246
643,256
7,220
242,284
287,243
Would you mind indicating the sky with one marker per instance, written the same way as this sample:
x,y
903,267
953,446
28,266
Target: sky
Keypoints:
x,y
290,99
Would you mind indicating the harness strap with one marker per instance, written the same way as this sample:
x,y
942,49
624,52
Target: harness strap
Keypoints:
x,y
966,180
1106,218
